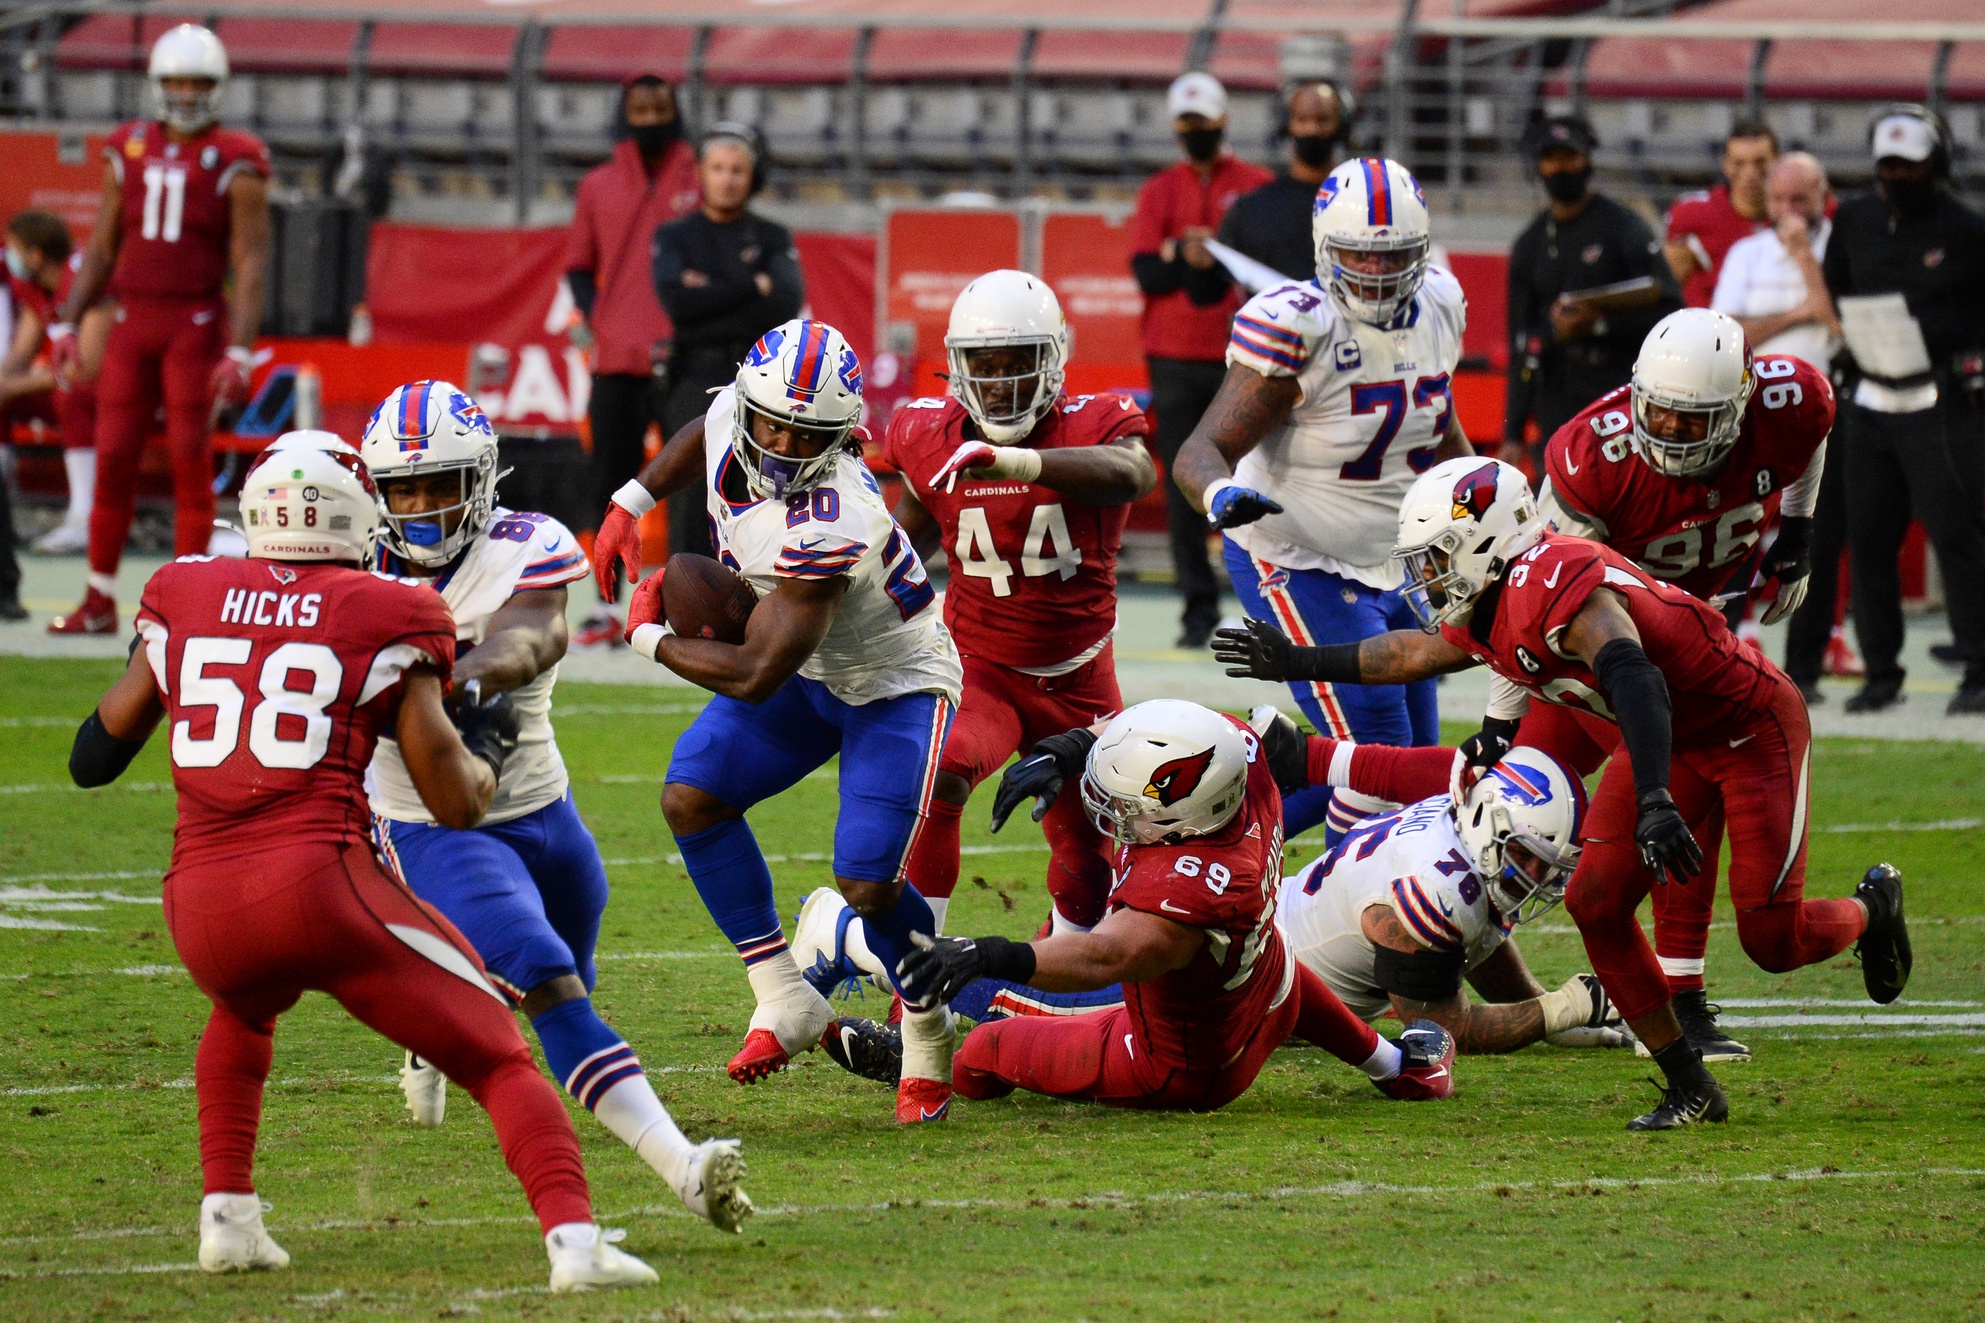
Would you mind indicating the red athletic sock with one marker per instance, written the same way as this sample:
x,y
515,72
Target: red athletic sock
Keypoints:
x,y
1403,776
933,866
228,1074
537,1140
1324,1020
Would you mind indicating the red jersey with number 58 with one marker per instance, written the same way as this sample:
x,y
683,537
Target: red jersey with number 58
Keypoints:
x,y
277,678
1700,534
1715,683
1201,1016
1033,572
176,222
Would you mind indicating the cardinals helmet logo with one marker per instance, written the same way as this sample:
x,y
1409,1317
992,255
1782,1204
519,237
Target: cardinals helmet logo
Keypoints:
x,y
1475,493
1174,780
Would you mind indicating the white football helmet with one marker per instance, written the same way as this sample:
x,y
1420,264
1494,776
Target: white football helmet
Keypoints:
x,y
311,439
803,375
1698,364
1167,769
1461,523
1000,309
1531,800
432,427
1371,205
187,51
308,502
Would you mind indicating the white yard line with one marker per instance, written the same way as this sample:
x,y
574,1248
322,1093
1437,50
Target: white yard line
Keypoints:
x,y
824,856
1942,824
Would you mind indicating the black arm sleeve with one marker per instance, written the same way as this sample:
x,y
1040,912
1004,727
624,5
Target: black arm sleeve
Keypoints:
x,y
1156,276
98,757
1332,663
1639,695
1418,976
585,289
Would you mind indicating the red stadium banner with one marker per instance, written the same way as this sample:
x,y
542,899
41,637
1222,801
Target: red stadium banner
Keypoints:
x,y
1085,258
62,173
926,258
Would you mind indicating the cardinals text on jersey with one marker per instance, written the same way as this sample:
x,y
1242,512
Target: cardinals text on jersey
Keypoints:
x,y
517,553
1373,405
1033,572
1412,860
887,638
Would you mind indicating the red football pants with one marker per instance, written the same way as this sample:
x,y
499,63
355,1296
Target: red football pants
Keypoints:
x,y
1096,1058
1756,775
1682,910
75,408
255,938
1003,712
161,351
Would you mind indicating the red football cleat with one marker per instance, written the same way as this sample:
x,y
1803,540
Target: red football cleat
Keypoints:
x,y
1840,658
97,615
599,630
1428,1070
760,1056
918,1101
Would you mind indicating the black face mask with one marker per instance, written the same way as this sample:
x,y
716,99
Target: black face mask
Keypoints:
x,y
1912,199
1202,144
1315,149
653,139
1569,185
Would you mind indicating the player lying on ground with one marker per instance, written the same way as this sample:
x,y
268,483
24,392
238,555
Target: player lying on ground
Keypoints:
x,y
1705,721
843,653
1027,489
1210,989
1684,471
277,675
1391,918
526,886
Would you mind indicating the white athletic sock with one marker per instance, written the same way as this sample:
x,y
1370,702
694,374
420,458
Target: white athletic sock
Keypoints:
x,y
1060,923
637,1117
856,945
80,465
929,1037
785,1003
1385,1060
939,907
104,583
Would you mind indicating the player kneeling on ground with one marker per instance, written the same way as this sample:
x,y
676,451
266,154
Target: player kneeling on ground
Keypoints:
x,y
526,886
1210,988
278,675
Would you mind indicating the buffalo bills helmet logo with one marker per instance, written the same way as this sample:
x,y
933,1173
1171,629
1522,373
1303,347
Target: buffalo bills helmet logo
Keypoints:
x,y
1326,192
1475,493
468,413
851,371
1174,780
766,350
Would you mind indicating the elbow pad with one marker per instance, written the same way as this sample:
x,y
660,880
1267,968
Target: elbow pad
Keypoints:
x,y
1418,975
1639,695
98,757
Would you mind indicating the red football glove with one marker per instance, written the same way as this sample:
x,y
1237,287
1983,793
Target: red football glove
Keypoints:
x,y
63,351
617,552
229,383
645,606
970,455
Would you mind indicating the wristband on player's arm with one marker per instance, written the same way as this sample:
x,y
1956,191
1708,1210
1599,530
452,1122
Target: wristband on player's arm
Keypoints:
x,y
1422,975
98,757
1639,695
634,498
1003,958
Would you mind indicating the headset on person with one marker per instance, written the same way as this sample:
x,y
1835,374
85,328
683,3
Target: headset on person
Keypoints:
x,y
1940,155
730,130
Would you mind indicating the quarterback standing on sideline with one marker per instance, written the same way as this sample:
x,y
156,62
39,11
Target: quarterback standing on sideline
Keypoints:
x,y
1338,393
274,889
185,207
844,653
526,886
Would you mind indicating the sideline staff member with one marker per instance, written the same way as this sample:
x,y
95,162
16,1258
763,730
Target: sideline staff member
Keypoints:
x,y
1566,353
1272,223
726,276
1703,226
1916,445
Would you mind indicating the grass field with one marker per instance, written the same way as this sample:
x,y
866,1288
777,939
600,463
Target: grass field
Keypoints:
x,y
1848,1183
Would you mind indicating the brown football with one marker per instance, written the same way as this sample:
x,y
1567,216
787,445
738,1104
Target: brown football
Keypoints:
x,y
704,599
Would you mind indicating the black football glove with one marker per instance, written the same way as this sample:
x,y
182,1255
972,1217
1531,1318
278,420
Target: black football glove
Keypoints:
x,y
937,969
1790,561
1041,773
1285,746
1259,651
1486,747
1667,846
1234,505
488,722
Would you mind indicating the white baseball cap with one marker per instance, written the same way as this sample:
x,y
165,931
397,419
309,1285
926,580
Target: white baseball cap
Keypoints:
x,y
1906,137
1196,94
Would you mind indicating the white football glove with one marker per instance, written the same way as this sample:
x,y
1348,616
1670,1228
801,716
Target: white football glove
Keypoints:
x,y
1580,1014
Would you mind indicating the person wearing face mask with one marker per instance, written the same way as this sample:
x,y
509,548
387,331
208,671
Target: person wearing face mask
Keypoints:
x,y
1915,443
1567,351
1272,223
649,179
1702,226
1188,305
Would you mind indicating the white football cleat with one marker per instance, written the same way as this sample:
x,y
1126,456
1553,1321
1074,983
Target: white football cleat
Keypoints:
x,y
232,1238
426,1089
712,1190
585,1256
65,539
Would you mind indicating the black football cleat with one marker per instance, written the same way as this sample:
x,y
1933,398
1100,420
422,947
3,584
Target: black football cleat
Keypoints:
x,y
1884,944
1680,1105
1698,1016
865,1048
